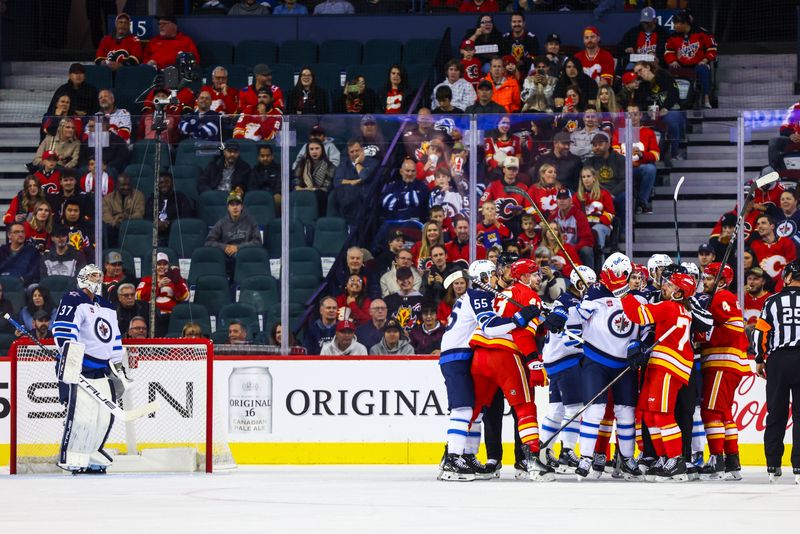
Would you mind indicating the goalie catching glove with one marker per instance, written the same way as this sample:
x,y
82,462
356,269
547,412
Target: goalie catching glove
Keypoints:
x,y
537,375
526,315
637,355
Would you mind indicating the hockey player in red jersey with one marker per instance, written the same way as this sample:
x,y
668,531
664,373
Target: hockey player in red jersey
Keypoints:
x,y
668,368
724,362
512,363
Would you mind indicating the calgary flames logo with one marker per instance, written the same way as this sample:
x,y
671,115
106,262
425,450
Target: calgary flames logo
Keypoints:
x,y
773,265
404,317
506,208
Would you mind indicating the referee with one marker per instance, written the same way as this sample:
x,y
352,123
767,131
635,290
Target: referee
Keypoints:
x,y
777,346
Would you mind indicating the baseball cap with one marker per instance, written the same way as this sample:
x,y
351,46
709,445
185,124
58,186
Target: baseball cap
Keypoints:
x,y
591,29
553,38
234,197
511,162
41,314
467,44
729,219
368,119
648,15
485,84
403,273
161,256
564,193
629,77
345,325
122,16
508,59
397,234
113,257
599,138
264,91
561,137
77,68
317,129
705,248
756,271
262,70
391,324
232,145
168,18
49,154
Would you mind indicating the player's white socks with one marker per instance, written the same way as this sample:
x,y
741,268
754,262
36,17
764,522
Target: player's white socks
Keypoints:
x,y
458,431
551,423
569,436
698,432
590,426
626,431
474,436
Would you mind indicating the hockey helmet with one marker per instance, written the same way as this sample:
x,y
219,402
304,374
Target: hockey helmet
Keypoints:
x,y
792,268
656,261
712,269
587,273
671,269
482,270
692,270
684,282
85,280
507,258
619,264
452,277
523,266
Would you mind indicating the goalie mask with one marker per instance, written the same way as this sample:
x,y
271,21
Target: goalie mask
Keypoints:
x,y
588,275
91,278
482,271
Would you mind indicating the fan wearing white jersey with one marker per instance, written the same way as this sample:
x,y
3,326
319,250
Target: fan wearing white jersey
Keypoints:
x,y
561,355
87,334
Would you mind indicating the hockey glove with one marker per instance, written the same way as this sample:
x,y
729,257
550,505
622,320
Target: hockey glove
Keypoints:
x,y
556,320
537,375
618,285
637,357
119,371
526,315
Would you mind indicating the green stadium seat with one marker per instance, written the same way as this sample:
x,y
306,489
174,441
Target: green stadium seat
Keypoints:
x,y
144,152
142,177
298,53
252,52
238,311
11,283
188,312
330,234
184,179
375,74
99,76
272,236
417,74
385,51
187,235
213,53
213,206
341,51
305,261
420,51
260,292
136,236
283,76
260,205
251,261
303,206
58,285
206,261
328,75
302,287
213,292
5,342
197,153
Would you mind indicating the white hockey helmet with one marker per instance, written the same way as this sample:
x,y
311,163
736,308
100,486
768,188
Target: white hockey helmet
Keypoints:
x,y
619,264
656,261
85,281
587,273
692,269
482,270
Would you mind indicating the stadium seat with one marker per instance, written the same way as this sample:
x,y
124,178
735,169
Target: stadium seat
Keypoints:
x,y
238,311
328,76
99,76
10,283
375,74
386,51
136,236
206,261
58,285
260,292
332,209
330,234
16,297
417,74
302,287
144,152
133,81
142,178
272,236
251,261
260,205
184,179
237,74
305,261
213,53
187,235
171,254
252,52
283,76
188,312
5,342
420,51
213,206
213,292
341,51
303,206
197,153
298,53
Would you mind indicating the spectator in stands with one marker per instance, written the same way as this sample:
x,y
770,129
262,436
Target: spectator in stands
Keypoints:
x,y
69,191
755,294
772,251
172,205
248,7
575,226
571,118
224,98
369,332
356,97
60,259
646,38
572,74
351,181
237,229
442,195
720,242
334,7
431,235
787,141
323,329
83,96
41,325
171,289
415,140
405,304
607,102
389,282
485,102
17,258
485,35
353,302
163,49
396,95
462,91
705,255
479,6
65,146
597,63
189,330
519,42
567,165
597,204
393,340
528,236
457,287
123,204
789,220
37,298
581,140
406,198
550,283
137,328
317,133
371,138
558,258
114,275
22,204
120,47
128,307
544,191
203,122
249,96
290,7
266,175
645,155
552,52
63,110
228,172
48,173
471,67
510,204
354,264
387,255
610,167
490,231
119,120
500,145
306,97
505,88
7,307
314,172
443,100
344,342
692,47
81,231
38,227
433,278
88,182
537,88
659,90
263,123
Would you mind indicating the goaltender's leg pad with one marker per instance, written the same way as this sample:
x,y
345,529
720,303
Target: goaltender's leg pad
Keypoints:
x,y
86,428
71,362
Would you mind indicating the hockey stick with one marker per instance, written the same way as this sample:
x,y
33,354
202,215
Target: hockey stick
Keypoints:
x,y
102,400
675,213
544,446
523,193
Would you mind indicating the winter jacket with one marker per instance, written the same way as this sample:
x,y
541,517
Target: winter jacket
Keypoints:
x,y
211,176
242,232
403,347
117,209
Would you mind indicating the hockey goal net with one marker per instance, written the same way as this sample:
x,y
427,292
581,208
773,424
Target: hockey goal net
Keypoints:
x,y
181,436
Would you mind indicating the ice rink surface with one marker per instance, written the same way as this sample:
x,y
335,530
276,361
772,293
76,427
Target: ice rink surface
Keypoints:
x,y
389,499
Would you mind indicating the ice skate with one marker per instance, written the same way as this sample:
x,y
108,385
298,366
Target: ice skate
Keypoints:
x,y
598,465
650,467
774,473
537,471
616,469
444,457
796,472
521,470
567,462
456,469
552,461
673,470
482,472
584,466
629,469
714,468
733,468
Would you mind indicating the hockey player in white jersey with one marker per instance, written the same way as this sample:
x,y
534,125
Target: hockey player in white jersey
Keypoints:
x,y
471,311
606,332
87,335
561,355
655,266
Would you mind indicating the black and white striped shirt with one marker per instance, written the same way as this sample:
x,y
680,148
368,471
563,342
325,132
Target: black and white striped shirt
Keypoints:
x,y
778,326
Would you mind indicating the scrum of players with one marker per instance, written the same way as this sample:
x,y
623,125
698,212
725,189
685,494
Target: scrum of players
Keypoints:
x,y
655,351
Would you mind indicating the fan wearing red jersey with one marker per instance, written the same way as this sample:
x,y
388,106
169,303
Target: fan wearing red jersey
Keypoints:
x,y
667,370
772,251
724,362
597,63
120,47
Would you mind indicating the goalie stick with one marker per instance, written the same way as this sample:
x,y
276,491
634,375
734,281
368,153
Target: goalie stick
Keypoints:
x,y
675,213
94,393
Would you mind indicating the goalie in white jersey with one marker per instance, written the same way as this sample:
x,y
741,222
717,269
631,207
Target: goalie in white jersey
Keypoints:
x,y
88,338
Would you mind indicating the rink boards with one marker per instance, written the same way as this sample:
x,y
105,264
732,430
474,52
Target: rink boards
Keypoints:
x,y
311,409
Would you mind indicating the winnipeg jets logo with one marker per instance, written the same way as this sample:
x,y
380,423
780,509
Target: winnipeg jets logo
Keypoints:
x,y
786,228
619,325
102,329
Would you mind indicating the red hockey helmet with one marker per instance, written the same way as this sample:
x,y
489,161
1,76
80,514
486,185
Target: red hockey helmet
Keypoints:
x,y
712,269
523,266
684,282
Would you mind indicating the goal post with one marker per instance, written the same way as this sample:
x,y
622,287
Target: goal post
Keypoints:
x,y
182,435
